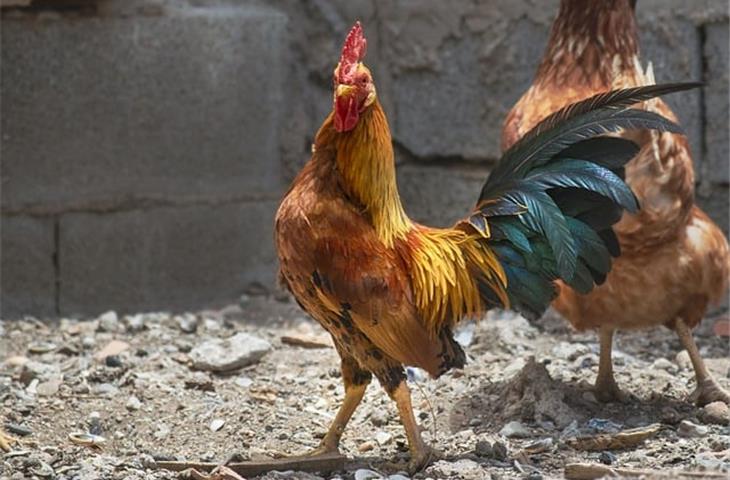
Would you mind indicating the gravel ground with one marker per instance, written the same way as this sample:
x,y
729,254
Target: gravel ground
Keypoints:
x,y
514,412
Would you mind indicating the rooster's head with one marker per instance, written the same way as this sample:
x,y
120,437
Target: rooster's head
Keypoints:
x,y
354,88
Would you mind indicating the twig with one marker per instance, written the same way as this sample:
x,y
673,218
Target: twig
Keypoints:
x,y
330,462
591,471
614,441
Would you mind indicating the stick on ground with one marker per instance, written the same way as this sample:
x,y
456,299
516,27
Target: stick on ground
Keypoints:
x,y
327,463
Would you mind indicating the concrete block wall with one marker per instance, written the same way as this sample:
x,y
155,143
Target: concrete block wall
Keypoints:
x,y
146,143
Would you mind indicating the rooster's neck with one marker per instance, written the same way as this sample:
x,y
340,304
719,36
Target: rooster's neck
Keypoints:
x,y
366,163
595,39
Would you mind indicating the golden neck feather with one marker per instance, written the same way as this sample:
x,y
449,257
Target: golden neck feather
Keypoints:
x,y
365,160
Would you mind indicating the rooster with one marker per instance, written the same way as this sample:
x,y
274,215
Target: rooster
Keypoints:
x,y
390,291
674,260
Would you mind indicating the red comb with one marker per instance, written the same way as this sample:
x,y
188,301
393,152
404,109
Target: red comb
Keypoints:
x,y
353,51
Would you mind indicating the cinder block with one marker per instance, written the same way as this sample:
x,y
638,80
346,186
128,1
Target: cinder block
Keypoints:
x,y
103,111
27,272
452,87
717,163
672,44
437,195
165,258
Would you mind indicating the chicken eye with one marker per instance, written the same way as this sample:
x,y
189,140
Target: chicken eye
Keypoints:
x,y
363,80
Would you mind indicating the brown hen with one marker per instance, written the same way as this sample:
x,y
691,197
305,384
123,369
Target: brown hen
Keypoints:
x,y
674,260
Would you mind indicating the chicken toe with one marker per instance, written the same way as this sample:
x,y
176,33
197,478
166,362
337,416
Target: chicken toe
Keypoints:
x,y
708,390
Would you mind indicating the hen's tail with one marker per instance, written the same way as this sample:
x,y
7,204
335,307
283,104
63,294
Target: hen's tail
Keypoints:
x,y
548,207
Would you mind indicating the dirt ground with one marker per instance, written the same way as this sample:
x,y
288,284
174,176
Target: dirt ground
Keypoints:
x,y
150,404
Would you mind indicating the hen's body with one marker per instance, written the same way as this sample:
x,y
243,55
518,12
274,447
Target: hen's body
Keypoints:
x,y
674,259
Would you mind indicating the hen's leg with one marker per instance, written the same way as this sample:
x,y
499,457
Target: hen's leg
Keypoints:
x,y
394,382
707,390
606,389
5,441
356,381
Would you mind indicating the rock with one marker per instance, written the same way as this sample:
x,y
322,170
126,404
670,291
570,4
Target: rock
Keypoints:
x,y
106,389
664,364
383,438
33,370
569,351
398,476
88,342
464,469
607,458
515,429
683,361
187,323
41,347
162,432
601,425
244,382
113,361
364,474
49,388
216,424
220,355
17,429
135,323
366,446
109,322
716,413
379,417
484,448
589,397
690,430
133,403
115,347
464,333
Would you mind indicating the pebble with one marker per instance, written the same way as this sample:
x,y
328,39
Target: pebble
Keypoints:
x,y
115,347
464,334
216,424
366,446
364,474
220,355
664,364
113,361
135,323
716,413
569,351
41,347
187,323
379,417
607,458
49,388
244,382
689,430
88,342
601,425
465,469
162,432
484,449
398,476
383,438
109,321
540,446
515,429
133,403
500,450
513,368
106,389
17,429
683,361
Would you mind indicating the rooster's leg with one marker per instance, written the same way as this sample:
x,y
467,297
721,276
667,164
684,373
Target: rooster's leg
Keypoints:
x,y
5,441
356,381
707,390
421,454
606,389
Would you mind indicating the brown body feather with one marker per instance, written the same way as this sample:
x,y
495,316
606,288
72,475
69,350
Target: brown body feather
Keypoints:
x,y
674,259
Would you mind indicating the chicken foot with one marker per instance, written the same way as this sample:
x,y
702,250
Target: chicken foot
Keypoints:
x,y
6,441
606,389
708,390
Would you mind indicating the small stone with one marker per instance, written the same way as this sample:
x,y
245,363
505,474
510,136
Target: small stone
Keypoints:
x,y
569,351
135,323
49,388
366,446
683,361
533,476
513,368
243,382
607,458
364,474
690,430
383,438
41,347
187,323
379,417
217,424
670,415
109,321
113,361
500,450
484,449
88,342
464,334
664,364
220,355
398,476
515,429
162,432
115,347
106,389
17,429
133,403
716,413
